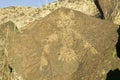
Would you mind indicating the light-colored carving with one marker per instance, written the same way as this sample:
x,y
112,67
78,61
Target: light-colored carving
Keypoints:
x,y
86,45
89,46
43,62
46,48
52,37
67,54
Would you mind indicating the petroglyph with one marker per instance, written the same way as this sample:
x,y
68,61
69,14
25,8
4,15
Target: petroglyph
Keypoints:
x,y
87,45
52,37
43,62
67,54
46,48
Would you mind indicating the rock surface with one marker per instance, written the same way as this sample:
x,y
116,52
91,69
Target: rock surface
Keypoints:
x,y
65,45
22,16
111,10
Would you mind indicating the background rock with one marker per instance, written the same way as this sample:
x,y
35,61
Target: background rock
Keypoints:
x,y
22,16
111,10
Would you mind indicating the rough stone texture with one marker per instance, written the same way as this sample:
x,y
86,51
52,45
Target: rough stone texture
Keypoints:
x,y
65,45
108,7
111,10
5,69
85,6
22,16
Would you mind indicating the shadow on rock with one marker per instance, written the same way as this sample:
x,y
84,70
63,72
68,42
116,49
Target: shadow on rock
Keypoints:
x,y
113,75
99,8
118,44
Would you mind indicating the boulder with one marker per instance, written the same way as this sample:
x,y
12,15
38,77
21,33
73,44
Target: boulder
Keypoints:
x,y
65,45
111,10
6,30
